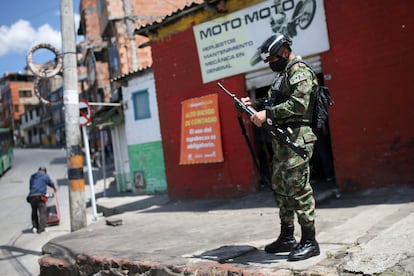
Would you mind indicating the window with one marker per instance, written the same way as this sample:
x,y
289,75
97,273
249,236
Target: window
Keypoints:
x,y
113,59
25,93
140,101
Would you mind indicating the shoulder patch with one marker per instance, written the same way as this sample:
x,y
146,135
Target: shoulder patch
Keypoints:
x,y
298,77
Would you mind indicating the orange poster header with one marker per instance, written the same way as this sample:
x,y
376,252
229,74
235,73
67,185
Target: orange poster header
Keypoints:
x,y
200,131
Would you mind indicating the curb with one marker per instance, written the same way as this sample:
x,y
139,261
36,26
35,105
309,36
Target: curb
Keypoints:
x,y
111,266
50,266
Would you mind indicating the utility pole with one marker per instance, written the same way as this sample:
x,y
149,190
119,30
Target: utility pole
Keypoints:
x,y
72,126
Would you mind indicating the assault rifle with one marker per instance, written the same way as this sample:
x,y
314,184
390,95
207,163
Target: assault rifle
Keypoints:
x,y
282,136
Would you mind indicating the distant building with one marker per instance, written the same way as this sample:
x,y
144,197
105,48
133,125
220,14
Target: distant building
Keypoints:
x,y
43,124
111,51
17,96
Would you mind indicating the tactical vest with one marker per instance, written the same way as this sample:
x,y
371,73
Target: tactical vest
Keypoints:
x,y
275,97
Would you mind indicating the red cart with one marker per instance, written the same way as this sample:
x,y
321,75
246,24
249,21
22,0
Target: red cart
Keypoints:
x,y
52,208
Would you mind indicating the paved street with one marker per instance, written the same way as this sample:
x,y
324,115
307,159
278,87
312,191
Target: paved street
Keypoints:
x,y
367,232
20,248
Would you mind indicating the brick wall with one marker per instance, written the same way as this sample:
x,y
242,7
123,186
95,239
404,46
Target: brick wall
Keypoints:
x,y
115,8
15,88
177,78
158,8
150,13
370,67
88,9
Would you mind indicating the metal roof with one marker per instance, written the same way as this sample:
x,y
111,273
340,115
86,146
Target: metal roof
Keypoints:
x,y
127,76
147,29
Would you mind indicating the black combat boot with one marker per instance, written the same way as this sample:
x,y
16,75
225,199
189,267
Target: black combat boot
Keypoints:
x,y
285,242
307,247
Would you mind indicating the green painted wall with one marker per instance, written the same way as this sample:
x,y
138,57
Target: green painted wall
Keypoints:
x,y
148,158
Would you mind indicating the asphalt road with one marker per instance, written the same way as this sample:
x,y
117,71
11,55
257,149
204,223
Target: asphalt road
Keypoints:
x,y
19,247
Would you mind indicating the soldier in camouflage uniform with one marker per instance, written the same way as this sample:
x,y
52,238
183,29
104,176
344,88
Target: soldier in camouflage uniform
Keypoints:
x,y
287,107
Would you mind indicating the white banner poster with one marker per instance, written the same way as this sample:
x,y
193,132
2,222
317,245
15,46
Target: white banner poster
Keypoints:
x,y
228,45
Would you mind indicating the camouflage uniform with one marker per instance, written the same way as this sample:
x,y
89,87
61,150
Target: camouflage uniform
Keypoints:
x,y
290,178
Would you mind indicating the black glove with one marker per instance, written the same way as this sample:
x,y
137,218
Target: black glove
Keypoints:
x,y
238,108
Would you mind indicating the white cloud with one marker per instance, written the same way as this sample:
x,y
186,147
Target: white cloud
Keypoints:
x,y
21,36
46,34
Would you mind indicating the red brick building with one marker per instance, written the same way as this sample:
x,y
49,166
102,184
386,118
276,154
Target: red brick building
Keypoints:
x,y
16,95
367,66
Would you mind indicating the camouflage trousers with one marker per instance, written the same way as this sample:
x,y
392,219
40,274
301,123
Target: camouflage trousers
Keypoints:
x,y
290,180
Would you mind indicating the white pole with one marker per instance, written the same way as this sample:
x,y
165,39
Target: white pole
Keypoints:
x,y
88,162
103,159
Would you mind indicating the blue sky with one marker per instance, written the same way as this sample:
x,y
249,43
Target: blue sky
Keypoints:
x,y
25,23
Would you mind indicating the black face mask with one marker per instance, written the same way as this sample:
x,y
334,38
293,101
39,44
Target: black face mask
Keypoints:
x,y
279,65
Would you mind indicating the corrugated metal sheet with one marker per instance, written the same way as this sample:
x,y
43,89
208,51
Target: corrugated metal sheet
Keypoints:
x,y
130,74
195,6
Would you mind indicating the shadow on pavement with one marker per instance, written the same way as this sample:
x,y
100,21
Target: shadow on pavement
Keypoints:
x,y
386,195
59,160
14,252
262,199
240,254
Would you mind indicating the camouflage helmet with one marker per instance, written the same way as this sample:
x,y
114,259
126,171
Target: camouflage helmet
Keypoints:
x,y
271,46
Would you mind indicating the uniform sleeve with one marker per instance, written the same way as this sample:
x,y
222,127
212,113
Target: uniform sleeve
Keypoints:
x,y
300,84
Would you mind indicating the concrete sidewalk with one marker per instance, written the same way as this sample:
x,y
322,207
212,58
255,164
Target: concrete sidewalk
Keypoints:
x,y
369,232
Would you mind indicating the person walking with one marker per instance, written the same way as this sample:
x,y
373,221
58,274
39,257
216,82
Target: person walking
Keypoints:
x,y
37,198
287,107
